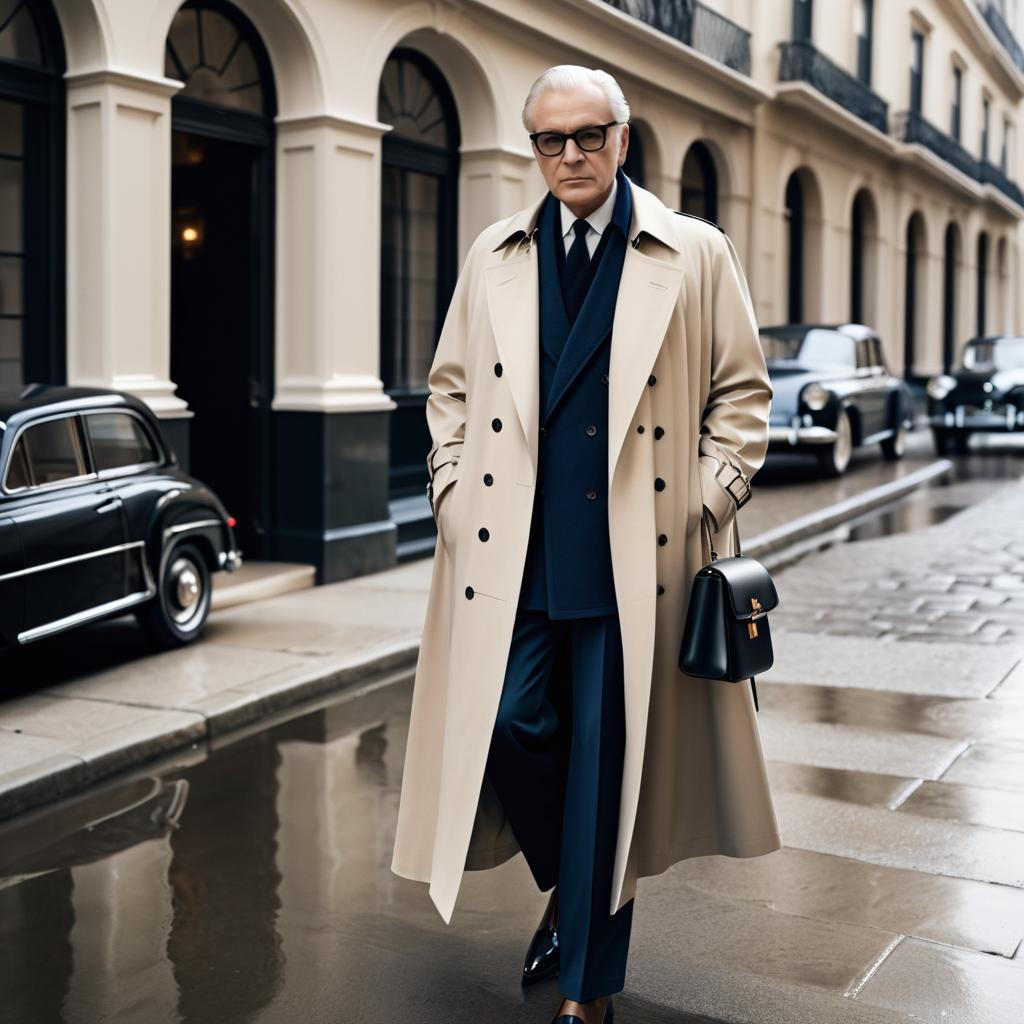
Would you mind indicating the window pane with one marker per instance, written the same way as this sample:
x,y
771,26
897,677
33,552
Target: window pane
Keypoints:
x,y
11,204
10,284
11,131
422,260
118,439
10,353
17,474
53,450
19,39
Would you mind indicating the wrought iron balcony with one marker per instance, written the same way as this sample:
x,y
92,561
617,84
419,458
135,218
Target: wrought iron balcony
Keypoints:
x,y
910,126
992,175
801,62
994,17
696,25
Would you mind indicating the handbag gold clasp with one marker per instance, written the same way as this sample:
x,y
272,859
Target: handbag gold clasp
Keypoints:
x,y
756,607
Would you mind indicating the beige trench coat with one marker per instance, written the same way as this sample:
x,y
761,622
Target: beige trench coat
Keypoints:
x,y
686,357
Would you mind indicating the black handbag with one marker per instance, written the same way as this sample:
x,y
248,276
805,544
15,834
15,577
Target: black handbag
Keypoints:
x,y
726,634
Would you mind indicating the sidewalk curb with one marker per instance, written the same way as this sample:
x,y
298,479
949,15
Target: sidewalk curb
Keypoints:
x,y
827,518
52,778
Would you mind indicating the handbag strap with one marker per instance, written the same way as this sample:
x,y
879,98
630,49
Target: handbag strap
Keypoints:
x,y
735,535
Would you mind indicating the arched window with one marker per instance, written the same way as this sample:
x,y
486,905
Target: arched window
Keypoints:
x,y
419,225
950,281
700,183
914,278
982,309
795,238
31,194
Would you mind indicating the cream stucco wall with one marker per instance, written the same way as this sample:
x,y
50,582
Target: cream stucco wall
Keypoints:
x,y
327,57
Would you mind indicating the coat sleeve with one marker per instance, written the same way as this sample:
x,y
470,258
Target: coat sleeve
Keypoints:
x,y
734,426
446,402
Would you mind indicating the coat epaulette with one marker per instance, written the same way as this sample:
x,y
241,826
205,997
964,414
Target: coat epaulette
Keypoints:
x,y
706,221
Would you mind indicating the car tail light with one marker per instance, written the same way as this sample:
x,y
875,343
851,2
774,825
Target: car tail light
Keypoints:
x,y
232,521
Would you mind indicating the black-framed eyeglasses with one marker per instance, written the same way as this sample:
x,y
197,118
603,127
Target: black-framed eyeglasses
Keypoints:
x,y
589,138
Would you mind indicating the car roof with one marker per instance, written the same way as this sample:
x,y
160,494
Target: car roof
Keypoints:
x,y
989,338
36,398
849,329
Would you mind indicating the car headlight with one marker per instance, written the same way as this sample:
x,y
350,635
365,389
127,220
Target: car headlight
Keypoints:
x,y
814,396
940,386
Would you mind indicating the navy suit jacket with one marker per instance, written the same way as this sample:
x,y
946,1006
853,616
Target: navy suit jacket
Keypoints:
x,y
568,570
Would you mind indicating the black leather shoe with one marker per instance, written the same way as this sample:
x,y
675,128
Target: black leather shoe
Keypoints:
x,y
572,1018
542,958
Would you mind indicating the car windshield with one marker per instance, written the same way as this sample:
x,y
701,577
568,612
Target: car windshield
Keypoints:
x,y
995,354
818,347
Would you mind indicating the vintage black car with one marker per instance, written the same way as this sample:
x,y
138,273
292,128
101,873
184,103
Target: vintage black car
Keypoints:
x,y
97,519
832,392
986,394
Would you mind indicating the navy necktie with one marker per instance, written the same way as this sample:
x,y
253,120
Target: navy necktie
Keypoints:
x,y
577,267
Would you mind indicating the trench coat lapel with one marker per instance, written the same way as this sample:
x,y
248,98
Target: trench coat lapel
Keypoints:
x,y
648,288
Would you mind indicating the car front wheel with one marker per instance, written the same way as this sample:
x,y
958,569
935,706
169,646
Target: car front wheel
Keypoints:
x,y
176,614
835,457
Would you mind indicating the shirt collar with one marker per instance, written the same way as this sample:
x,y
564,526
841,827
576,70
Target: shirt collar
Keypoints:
x,y
599,219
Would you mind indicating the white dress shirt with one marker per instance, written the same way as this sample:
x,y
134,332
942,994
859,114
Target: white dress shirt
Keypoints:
x,y
598,221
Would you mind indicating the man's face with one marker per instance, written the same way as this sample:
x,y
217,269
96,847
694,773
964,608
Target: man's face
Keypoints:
x,y
580,179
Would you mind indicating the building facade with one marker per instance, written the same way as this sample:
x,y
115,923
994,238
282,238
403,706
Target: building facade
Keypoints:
x,y
252,213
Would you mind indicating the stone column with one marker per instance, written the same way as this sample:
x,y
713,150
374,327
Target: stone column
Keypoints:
x,y
118,235
330,410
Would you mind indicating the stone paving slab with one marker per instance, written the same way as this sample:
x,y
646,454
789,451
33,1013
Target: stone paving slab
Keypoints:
x,y
932,982
872,789
994,765
901,840
837,745
975,805
952,669
956,911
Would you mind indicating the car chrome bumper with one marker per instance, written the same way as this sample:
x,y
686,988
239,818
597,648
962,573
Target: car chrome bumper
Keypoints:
x,y
798,433
230,560
1008,418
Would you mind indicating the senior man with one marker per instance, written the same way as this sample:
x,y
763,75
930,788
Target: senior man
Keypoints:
x,y
598,392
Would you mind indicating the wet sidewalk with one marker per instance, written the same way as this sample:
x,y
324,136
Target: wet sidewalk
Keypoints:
x,y
248,879
83,706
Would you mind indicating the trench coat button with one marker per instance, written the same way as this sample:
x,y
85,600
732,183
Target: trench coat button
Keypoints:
x,y
658,433
469,593
659,484
651,381
661,590
488,479
497,369
604,378
640,429
591,494
662,539
483,533
496,424
591,430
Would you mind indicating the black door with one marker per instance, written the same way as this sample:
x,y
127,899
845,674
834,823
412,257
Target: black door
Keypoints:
x,y
72,535
215,349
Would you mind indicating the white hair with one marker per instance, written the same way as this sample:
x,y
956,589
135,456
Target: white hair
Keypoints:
x,y
563,77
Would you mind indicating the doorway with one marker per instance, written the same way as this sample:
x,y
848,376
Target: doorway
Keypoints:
x,y
222,249
220,361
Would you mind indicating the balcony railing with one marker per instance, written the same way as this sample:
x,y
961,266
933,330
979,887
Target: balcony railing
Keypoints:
x,y
910,126
992,175
696,25
801,62
994,17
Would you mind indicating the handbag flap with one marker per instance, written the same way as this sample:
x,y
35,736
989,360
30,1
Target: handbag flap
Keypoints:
x,y
750,588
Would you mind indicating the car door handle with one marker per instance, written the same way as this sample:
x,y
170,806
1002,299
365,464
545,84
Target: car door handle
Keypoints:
x,y
109,506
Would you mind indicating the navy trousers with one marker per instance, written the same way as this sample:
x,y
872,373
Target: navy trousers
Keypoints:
x,y
555,762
